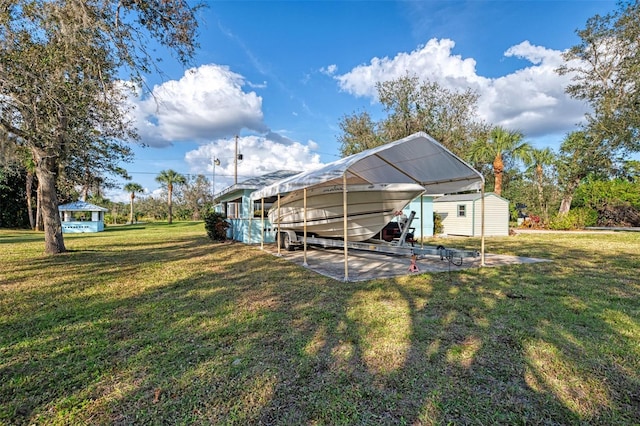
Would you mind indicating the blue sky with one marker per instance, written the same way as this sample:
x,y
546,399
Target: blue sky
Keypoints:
x,y
281,75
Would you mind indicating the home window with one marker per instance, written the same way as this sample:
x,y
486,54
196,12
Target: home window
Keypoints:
x,y
462,210
234,210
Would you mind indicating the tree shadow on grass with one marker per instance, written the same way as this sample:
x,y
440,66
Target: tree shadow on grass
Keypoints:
x,y
237,336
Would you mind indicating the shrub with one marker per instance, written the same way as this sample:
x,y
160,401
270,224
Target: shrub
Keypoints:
x,y
438,227
216,226
574,219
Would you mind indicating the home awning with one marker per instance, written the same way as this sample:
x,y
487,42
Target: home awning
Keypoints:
x,y
415,159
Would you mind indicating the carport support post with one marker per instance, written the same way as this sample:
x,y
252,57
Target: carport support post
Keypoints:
x,y
278,223
304,228
421,221
344,221
262,225
482,226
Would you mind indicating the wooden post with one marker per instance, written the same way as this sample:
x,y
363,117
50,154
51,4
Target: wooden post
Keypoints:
x,y
482,227
262,231
345,226
304,235
278,223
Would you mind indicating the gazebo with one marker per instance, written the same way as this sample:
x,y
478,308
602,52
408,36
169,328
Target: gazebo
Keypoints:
x,y
80,216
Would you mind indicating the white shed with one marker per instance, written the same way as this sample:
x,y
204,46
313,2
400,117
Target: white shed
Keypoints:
x,y
462,214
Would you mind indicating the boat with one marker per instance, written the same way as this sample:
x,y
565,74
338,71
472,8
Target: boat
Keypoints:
x,y
369,208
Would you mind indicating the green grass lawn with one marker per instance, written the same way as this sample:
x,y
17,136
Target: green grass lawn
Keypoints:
x,y
156,324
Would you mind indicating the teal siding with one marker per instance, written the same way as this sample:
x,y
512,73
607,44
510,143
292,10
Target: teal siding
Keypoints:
x,y
249,231
81,227
423,218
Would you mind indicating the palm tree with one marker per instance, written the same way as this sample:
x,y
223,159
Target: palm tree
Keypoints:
x,y
538,159
132,188
500,144
168,178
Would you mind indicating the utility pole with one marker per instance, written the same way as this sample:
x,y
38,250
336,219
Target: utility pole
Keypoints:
x,y
235,162
215,162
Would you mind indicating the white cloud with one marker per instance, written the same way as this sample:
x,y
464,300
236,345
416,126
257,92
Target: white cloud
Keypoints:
x,y
531,99
261,155
432,61
329,70
206,103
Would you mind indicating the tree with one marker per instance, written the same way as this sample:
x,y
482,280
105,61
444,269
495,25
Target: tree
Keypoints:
x,y
196,196
16,161
581,155
501,143
358,134
427,106
169,178
12,193
631,170
132,188
60,94
537,161
412,106
605,70
153,208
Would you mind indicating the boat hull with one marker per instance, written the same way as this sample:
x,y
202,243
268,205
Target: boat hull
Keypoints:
x,y
369,209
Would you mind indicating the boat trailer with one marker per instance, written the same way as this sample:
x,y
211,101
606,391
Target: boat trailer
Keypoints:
x,y
403,245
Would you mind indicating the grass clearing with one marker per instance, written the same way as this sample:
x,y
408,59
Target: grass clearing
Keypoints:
x,y
156,324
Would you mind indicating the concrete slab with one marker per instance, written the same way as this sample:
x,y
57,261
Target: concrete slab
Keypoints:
x,y
364,265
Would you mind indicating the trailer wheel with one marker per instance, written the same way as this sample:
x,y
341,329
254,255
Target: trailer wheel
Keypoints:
x,y
286,242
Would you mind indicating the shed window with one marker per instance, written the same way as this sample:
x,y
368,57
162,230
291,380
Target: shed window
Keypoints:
x,y
462,210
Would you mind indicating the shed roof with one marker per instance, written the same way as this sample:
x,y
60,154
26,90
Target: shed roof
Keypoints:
x,y
81,206
415,159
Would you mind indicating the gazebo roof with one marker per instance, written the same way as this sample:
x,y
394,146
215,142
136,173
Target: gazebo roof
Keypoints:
x,y
81,206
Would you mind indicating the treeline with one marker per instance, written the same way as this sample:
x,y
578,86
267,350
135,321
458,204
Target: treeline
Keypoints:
x,y
191,198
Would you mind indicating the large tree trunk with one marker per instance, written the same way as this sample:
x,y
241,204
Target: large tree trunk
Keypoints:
x,y
39,226
169,201
567,198
46,172
29,189
498,169
131,210
565,204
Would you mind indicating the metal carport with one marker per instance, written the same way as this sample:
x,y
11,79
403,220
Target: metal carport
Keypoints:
x,y
415,159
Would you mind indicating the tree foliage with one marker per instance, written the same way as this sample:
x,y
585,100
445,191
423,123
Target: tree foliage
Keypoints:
x,y
13,187
616,201
413,105
358,134
60,96
605,70
496,148
196,196
538,161
581,155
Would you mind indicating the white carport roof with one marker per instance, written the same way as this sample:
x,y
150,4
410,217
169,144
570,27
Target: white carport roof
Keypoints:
x,y
415,159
